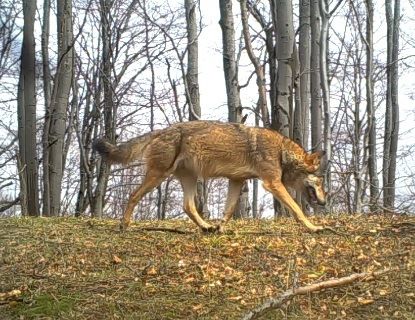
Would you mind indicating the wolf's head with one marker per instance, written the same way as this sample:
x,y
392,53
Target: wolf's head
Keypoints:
x,y
313,182
304,174
313,190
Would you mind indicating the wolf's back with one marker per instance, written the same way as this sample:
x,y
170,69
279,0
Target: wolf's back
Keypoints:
x,y
124,152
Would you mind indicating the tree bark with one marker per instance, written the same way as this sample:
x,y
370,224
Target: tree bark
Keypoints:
x,y
370,109
26,112
304,57
108,105
284,33
392,107
47,79
59,103
259,70
315,83
192,77
325,16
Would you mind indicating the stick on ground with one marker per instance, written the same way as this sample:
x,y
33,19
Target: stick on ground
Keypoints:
x,y
277,302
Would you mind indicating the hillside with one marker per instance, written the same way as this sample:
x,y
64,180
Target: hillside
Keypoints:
x,y
68,268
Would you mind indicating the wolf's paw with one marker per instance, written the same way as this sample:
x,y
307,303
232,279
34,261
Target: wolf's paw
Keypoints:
x,y
210,229
124,225
317,229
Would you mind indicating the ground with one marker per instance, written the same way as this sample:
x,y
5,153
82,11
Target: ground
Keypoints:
x,y
67,268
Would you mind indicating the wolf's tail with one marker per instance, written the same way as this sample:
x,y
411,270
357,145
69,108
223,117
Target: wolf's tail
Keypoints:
x,y
125,152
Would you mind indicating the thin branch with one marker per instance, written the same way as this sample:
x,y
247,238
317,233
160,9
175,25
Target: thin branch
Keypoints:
x,y
277,302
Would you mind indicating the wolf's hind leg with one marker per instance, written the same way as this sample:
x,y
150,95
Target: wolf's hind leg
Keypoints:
x,y
280,192
234,191
152,179
189,184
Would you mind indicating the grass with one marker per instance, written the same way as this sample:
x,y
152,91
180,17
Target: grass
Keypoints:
x,y
67,268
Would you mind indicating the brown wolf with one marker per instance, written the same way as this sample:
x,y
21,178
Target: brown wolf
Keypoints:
x,y
211,149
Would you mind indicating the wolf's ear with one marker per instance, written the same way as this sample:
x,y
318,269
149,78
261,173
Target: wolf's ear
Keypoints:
x,y
314,161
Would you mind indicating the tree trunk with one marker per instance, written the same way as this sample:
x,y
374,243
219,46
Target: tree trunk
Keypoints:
x,y
192,79
108,105
59,103
283,25
259,70
232,85
26,111
370,109
392,107
47,79
356,150
315,84
304,57
325,17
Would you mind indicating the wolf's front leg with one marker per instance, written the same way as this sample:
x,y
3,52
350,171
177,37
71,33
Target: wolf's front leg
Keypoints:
x,y
281,193
234,191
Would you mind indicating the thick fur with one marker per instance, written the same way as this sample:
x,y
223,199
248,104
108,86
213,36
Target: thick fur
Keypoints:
x,y
210,149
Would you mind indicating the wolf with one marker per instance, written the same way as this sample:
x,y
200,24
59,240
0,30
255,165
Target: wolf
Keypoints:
x,y
210,149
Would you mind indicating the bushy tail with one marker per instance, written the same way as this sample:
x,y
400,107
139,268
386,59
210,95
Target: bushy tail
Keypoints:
x,y
125,152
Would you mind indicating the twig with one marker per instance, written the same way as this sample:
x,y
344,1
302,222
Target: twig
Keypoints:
x,y
164,230
339,233
277,302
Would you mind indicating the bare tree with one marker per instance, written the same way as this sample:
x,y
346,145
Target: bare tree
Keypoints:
x,y
58,107
47,79
304,61
259,69
26,112
109,111
392,107
315,87
192,79
370,109
284,34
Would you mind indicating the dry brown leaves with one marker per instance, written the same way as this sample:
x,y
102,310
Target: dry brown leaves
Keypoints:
x,y
72,268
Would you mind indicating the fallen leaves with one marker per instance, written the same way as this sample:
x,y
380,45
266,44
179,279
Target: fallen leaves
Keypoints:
x,y
190,275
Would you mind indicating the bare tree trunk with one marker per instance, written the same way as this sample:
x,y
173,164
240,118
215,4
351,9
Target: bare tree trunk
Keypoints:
x,y
193,86
259,70
26,111
370,109
272,62
325,16
283,25
108,105
315,87
392,107
59,102
232,85
47,96
229,62
302,117
356,150
304,57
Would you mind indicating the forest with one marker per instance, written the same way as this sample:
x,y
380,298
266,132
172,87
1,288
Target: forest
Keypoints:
x,y
334,76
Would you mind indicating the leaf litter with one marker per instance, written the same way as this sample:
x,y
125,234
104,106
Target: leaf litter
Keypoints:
x,y
68,268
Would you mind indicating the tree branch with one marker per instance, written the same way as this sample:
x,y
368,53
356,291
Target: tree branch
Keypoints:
x,y
277,302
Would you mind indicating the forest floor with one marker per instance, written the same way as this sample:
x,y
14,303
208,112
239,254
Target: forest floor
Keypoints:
x,y
67,268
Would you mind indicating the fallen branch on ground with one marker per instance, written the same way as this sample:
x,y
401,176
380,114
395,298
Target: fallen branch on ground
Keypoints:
x,y
164,230
277,302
